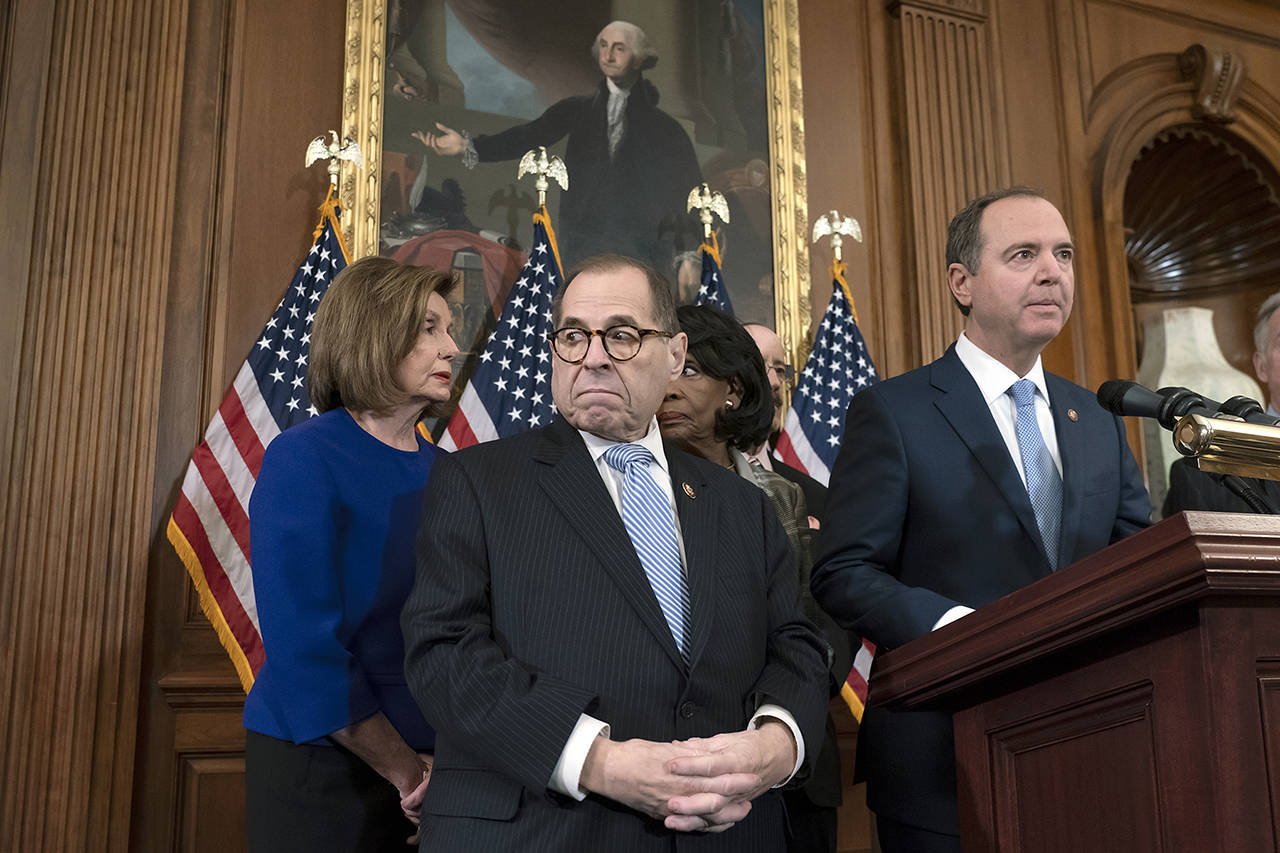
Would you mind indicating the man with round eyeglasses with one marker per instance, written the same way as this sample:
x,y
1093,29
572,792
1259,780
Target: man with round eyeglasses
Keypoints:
x,y
782,374
606,631
621,343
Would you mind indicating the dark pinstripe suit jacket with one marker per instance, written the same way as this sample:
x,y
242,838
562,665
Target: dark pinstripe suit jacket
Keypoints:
x,y
530,608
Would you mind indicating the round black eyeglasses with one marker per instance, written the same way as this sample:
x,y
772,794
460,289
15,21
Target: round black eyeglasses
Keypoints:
x,y
621,343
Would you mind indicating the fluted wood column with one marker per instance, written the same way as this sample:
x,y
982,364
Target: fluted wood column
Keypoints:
x,y
91,96
955,144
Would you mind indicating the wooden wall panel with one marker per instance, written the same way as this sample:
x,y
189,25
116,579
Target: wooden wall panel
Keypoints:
x,y
1123,86
849,113
955,143
154,205
99,165
212,792
27,42
261,80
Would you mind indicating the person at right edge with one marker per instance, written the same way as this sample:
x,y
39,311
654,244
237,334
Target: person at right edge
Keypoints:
x,y
964,480
1191,488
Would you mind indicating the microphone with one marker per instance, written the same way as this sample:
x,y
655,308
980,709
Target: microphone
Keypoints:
x,y
1221,446
1122,397
1249,410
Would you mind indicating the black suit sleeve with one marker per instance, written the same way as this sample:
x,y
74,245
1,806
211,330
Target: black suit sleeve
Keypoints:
x,y
855,579
795,671
547,129
510,716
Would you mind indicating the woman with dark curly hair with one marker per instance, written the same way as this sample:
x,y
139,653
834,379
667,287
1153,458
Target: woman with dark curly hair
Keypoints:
x,y
718,408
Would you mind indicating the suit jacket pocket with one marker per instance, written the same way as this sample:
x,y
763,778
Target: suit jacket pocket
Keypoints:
x,y
465,792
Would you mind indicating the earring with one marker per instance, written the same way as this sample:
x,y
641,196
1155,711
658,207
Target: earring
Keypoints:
x,y
728,404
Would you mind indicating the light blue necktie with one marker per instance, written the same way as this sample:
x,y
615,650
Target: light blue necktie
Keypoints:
x,y
1044,483
646,513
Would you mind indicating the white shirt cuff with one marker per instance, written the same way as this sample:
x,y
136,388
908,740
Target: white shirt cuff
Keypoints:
x,y
568,769
952,615
781,714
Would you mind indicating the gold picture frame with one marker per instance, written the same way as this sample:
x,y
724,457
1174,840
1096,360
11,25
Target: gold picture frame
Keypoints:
x,y
362,116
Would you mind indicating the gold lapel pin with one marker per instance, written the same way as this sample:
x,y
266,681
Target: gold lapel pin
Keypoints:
x,y
688,490
1071,413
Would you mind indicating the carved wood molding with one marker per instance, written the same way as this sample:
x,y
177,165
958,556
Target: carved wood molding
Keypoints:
x,y
74,535
1128,110
789,192
974,10
1201,211
1217,75
955,144
362,89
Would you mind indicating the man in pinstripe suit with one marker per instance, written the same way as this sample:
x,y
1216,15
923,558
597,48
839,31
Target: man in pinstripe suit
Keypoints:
x,y
572,712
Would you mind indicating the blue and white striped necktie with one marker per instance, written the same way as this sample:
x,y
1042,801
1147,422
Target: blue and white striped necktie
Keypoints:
x,y
646,513
1044,483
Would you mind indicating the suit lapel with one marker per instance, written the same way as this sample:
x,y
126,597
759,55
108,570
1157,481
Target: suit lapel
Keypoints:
x,y
573,486
699,525
962,405
1072,450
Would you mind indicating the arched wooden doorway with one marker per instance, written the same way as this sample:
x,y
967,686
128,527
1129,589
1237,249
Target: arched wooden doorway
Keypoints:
x,y
1202,230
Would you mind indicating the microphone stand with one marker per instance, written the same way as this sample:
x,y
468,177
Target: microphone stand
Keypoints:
x,y
1244,492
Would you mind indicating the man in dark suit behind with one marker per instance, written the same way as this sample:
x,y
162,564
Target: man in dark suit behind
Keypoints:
x,y
811,810
961,481
575,708
781,372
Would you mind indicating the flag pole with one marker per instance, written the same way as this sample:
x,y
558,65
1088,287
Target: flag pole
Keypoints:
x,y
510,389
209,525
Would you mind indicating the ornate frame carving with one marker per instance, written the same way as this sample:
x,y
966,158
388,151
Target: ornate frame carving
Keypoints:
x,y
362,121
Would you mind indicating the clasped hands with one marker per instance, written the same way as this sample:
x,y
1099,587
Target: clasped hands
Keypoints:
x,y
701,784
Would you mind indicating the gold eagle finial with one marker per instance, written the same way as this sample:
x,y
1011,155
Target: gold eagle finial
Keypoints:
x,y
536,162
334,153
706,203
835,225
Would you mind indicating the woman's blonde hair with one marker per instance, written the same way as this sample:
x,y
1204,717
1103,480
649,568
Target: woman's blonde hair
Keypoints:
x,y
367,323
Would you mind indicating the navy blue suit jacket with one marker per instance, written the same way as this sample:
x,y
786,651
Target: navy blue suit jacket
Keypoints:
x,y
926,511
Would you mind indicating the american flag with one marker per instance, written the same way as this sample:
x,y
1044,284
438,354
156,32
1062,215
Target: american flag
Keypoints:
x,y
510,390
838,367
712,290
209,527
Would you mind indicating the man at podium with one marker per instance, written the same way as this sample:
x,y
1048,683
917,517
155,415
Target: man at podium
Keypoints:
x,y
964,480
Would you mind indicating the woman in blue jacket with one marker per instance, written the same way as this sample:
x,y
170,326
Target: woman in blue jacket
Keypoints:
x,y
337,754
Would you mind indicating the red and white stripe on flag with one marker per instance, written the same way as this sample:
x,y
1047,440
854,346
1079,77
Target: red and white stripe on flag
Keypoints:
x,y
510,390
855,688
209,527
838,367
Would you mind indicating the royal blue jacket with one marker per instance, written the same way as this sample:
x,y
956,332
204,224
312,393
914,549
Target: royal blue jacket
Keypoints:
x,y
332,523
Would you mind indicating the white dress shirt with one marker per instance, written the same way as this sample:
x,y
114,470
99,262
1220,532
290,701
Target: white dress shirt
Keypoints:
x,y
616,112
761,457
994,379
566,775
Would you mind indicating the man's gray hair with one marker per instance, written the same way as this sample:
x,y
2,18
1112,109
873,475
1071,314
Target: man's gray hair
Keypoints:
x,y
694,257
646,56
1264,318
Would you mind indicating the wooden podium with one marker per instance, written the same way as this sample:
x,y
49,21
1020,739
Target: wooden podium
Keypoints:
x,y
1129,702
